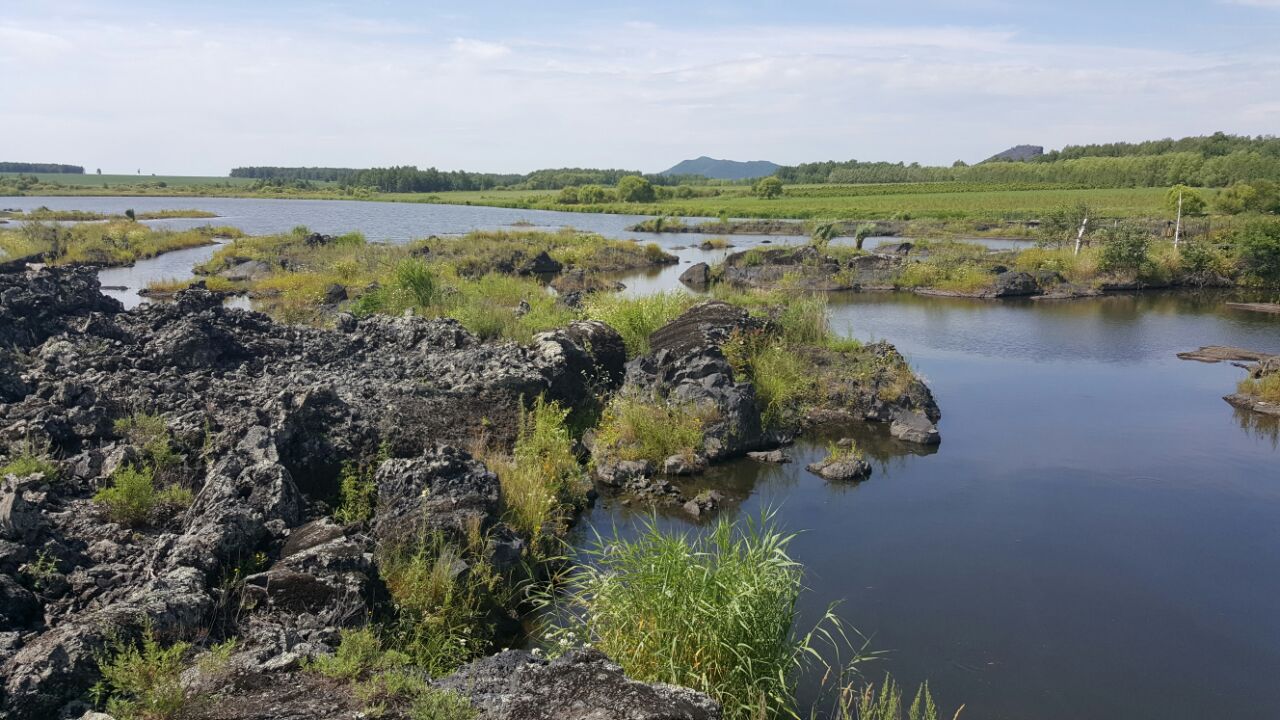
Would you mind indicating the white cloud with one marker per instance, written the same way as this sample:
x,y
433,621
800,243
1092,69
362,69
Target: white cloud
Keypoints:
x,y
174,99
479,49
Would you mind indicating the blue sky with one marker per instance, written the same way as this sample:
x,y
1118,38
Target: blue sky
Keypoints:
x,y
186,87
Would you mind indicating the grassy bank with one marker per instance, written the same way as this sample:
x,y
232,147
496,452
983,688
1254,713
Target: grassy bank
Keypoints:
x,y
108,243
977,202
491,282
45,214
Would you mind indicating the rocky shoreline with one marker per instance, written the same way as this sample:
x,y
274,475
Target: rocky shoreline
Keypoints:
x,y
259,421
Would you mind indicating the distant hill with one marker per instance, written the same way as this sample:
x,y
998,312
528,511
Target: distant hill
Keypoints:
x,y
723,169
1017,153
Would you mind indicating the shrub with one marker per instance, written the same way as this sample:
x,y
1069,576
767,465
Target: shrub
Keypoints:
x,y
635,189
30,464
132,496
151,434
1258,247
713,612
1193,202
143,681
1124,249
356,494
360,652
642,428
443,617
767,188
635,318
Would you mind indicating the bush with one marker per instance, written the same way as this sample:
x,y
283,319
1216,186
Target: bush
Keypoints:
x,y
356,494
643,428
30,464
635,189
151,434
714,613
1193,202
133,496
1124,249
143,681
767,188
784,380
442,610
1258,247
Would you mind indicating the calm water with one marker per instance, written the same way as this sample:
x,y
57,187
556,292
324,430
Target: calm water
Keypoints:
x,y
1098,535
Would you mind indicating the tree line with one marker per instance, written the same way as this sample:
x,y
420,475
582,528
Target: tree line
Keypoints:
x,y
1187,168
408,178
21,167
1218,144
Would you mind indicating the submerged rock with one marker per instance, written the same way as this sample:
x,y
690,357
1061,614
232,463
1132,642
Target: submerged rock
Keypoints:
x,y
841,468
916,428
770,456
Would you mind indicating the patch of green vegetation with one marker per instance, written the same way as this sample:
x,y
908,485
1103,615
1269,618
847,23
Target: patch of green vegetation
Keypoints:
x,y
384,679
714,612
133,496
151,434
443,614
143,681
357,493
543,484
110,243
28,463
45,214
885,703
635,318
635,427
1265,388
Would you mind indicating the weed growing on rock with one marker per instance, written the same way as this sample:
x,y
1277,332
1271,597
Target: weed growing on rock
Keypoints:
x,y
356,494
1266,387
151,434
634,427
635,318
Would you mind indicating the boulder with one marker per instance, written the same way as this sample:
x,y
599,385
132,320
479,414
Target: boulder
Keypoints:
x,y
697,276
916,428
684,464
841,468
444,490
770,456
708,323
580,685
540,264
1013,283
704,503
246,271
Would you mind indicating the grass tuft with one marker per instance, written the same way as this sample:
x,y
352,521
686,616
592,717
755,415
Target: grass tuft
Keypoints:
x,y
712,612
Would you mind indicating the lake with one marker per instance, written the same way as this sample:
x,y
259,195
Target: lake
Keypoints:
x,y
1098,536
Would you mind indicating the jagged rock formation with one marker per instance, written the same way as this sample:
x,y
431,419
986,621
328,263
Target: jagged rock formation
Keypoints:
x,y
261,418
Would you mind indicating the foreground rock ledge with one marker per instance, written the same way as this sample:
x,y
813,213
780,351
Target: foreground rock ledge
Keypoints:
x,y
261,418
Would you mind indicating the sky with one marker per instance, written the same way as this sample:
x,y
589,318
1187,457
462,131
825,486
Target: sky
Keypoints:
x,y
176,87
